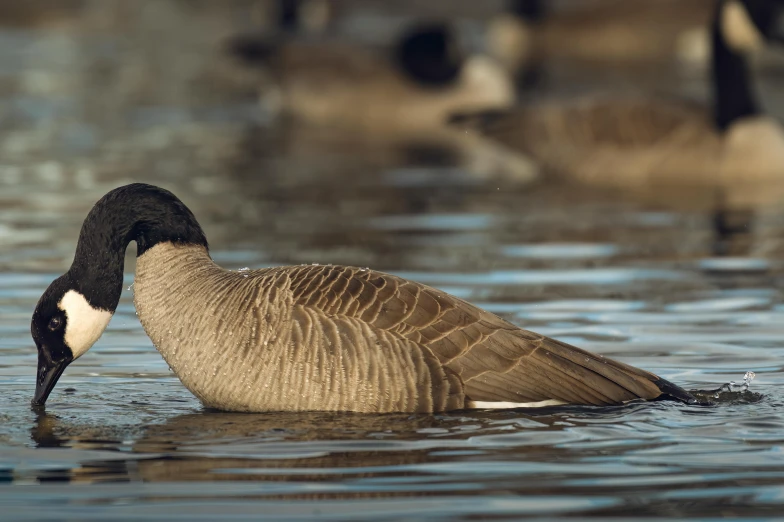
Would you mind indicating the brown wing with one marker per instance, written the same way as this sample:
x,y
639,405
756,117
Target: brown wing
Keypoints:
x,y
598,122
495,360
618,141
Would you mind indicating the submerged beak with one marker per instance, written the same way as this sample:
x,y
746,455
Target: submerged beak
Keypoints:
x,y
48,373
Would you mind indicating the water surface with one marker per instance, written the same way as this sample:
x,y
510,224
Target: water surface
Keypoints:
x,y
690,292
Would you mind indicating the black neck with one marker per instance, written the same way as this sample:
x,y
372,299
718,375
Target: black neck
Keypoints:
x,y
734,98
143,213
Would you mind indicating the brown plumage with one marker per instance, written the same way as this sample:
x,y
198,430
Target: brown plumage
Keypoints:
x,y
307,337
342,85
640,141
614,140
606,31
635,142
337,338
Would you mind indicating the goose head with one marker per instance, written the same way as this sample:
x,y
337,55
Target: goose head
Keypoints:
x,y
430,54
75,309
64,326
433,57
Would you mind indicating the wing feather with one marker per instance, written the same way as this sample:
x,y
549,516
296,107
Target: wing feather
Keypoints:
x,y
488,358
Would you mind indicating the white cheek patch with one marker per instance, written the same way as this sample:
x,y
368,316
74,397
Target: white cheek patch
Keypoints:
x,y
84,324
484,82
740,32
492,405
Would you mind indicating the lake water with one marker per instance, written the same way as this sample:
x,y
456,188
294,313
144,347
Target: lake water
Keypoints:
x,y
92,99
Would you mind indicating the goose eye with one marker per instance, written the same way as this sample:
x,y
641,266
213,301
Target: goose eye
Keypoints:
x,y
55,323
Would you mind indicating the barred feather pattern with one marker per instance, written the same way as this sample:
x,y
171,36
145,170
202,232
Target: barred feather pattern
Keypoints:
x,y
635,142
334,338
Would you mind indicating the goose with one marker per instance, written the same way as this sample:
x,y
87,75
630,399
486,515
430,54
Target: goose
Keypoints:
x,y
633,140
338,84
307,337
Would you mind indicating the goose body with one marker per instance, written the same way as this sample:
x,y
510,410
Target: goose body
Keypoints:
x,y
419,85
623,140
638,141
308,337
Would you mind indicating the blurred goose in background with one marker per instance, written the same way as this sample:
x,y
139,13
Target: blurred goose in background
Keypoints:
x,y
425,79
406,94
601,31
638,140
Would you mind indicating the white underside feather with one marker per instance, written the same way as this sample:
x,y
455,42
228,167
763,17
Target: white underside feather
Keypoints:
x,y
501,405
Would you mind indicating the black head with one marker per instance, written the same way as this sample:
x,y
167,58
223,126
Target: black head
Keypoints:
x,y
48,329
64,326
76,308
430,55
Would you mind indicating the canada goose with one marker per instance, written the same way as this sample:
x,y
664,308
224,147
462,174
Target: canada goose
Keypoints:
x,y
340,84
638,140
305,337
601,31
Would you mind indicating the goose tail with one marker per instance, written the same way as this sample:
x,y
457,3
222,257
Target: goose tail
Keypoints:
x,y
674,392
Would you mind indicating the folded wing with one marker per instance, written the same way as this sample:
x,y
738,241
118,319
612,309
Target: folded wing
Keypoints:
x,y
494,360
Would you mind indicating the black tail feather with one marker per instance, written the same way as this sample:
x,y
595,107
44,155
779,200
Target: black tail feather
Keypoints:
x,y
673,392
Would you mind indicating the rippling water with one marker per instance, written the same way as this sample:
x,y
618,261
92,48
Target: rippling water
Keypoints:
x,y
690,292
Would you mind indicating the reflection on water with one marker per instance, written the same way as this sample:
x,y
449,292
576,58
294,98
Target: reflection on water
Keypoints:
x,y
101,94
583,460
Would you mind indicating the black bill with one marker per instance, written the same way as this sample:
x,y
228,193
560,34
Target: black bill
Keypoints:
x,y
49,373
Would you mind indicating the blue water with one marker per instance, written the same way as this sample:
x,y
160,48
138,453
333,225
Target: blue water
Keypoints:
x,y
92,102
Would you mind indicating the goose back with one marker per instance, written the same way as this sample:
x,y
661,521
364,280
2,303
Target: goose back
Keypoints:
x,y
349,339
418,84
638,141
347,87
